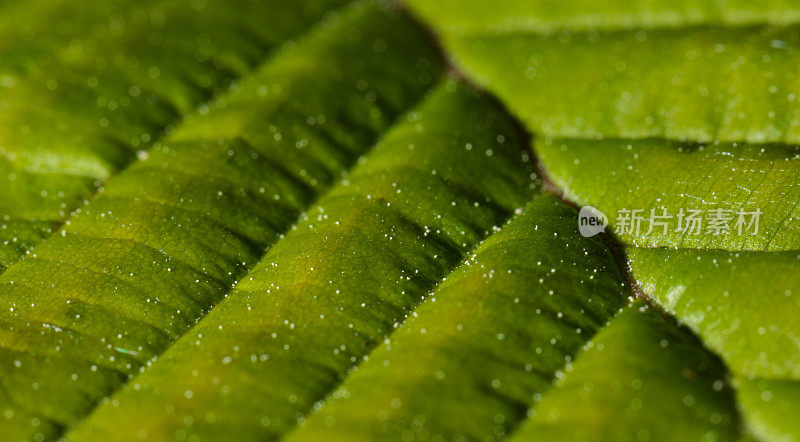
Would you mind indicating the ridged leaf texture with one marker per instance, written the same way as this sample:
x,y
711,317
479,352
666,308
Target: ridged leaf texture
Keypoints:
x,y
322,220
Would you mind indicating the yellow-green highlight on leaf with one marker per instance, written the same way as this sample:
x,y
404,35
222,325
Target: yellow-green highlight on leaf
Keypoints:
x,y
616,175
86,88
341,280
491,338
641,378
770,408
744,306
553,16
701,83
170,236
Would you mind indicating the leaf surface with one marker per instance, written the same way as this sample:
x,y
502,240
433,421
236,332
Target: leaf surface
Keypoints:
x,y
641,82
749,320
641,378
493,335
769,407
167,239
738,298
325,295
628,115
553,16
85,90
673,179
393,304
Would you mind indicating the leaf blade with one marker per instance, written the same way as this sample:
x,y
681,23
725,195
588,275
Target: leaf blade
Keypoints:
x,y
152,267
681,177
382,245
641,377
636,82
492,335
126,71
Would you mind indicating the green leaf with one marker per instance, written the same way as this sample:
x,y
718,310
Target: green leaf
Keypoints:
x,y
746,318
82,96
722,293
493,335
167,239
617,174
769,407
642,378
645,82
547,16
481,348
355,266
713,293
630,116
219,272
